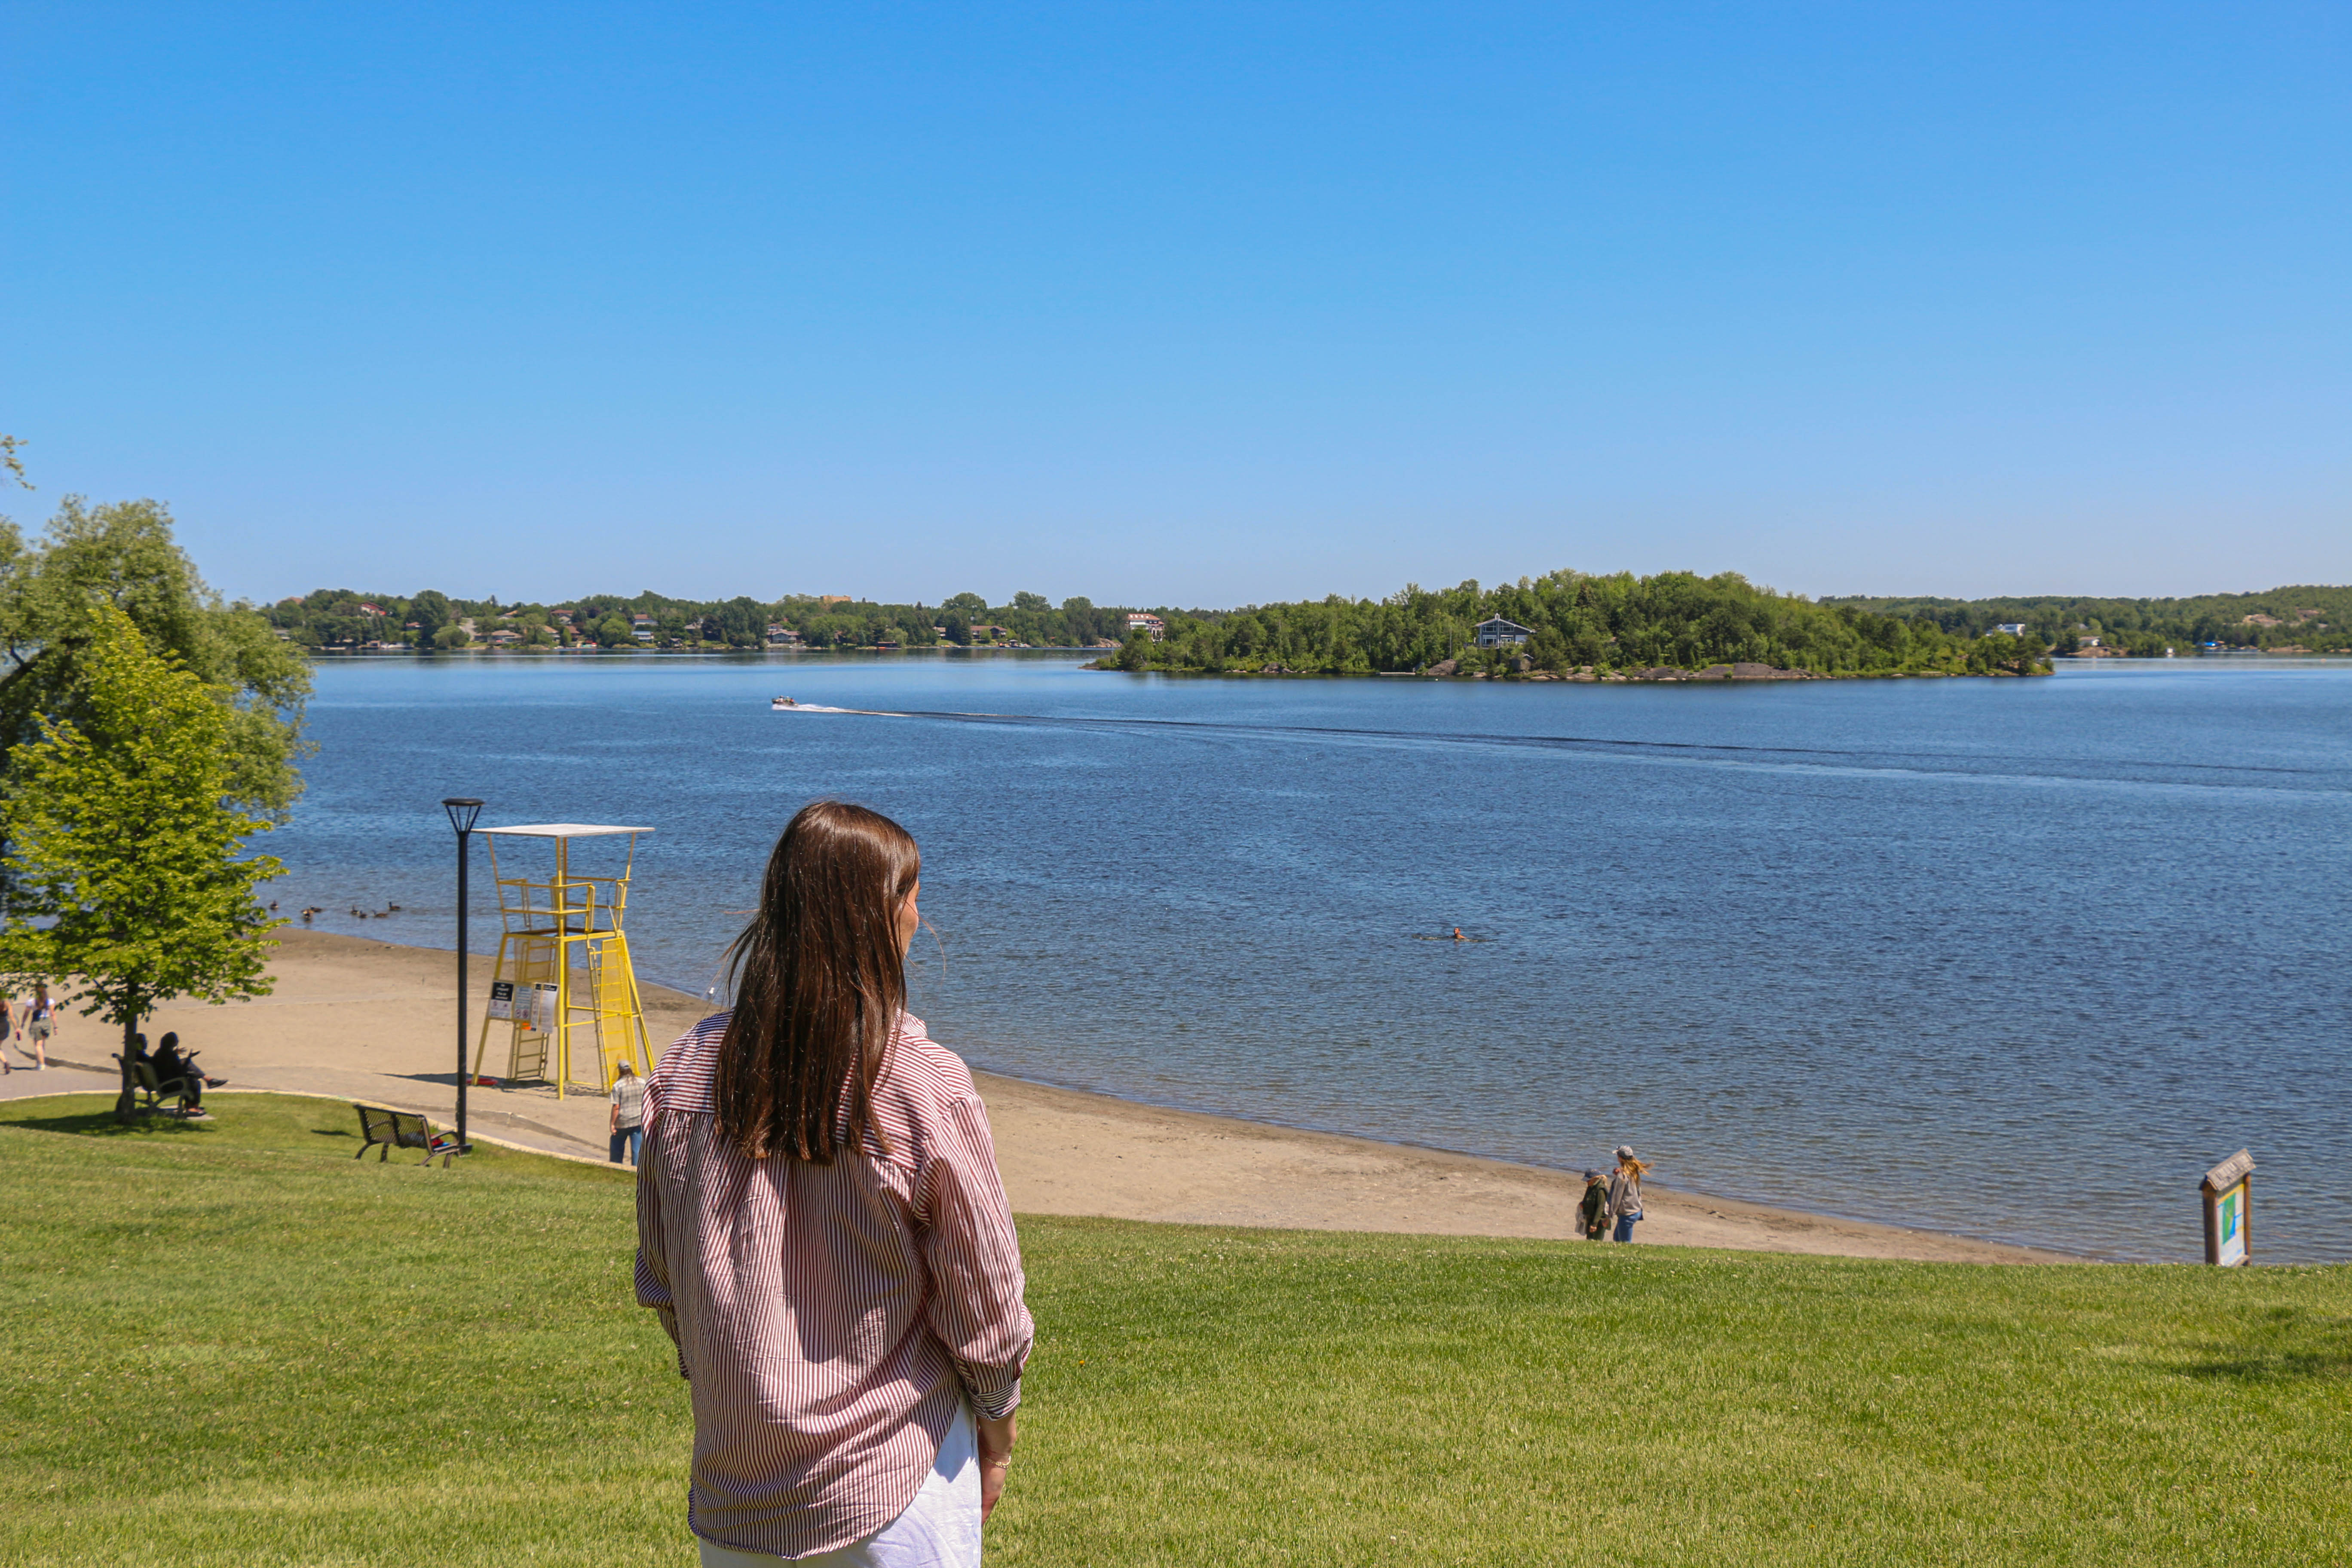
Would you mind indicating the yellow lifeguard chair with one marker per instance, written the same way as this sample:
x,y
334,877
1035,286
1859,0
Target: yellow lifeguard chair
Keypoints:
x,y
563,966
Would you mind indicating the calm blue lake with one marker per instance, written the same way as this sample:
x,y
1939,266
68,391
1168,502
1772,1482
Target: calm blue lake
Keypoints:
x,y
2012,959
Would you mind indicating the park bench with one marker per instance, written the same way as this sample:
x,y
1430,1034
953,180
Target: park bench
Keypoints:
x,y
148,1090
404,1129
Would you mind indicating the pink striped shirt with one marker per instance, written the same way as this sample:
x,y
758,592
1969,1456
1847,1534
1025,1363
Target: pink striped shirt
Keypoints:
x,y
830,1318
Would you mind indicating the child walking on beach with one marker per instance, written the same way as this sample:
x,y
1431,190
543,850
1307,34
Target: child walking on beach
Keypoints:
x,y
1594,1212
1626,1191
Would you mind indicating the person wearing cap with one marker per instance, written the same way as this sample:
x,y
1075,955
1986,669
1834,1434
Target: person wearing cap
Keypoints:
x,y
1626,1191
628,1118
1594,1212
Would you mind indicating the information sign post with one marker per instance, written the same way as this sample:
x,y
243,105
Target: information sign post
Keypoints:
x,y
2229,1192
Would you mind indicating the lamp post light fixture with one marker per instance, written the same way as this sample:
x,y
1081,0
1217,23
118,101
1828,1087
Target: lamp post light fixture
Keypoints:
x,y
464,811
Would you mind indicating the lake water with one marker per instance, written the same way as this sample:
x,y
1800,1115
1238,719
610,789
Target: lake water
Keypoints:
x,y
2011,958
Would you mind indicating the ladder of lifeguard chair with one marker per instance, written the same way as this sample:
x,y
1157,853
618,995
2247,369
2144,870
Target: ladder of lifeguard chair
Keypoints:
x,y
535,963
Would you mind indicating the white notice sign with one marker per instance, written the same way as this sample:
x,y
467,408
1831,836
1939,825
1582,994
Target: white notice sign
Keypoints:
x,y
543,1007
2231,1207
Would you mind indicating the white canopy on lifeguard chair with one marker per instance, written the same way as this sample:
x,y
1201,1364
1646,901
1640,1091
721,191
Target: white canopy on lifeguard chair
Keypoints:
x,y
563,965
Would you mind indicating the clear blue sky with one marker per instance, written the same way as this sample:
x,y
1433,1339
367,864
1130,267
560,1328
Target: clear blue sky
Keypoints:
x,y
1188,304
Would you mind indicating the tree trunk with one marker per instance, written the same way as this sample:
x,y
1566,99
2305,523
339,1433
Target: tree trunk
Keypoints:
x,y
126,1104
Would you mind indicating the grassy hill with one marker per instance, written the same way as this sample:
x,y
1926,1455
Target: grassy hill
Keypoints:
x,y
230,1344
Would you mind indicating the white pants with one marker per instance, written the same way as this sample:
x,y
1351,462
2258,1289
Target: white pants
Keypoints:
x,y
940,1529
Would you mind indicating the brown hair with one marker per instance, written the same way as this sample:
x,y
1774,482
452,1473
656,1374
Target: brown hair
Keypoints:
x,y
819,984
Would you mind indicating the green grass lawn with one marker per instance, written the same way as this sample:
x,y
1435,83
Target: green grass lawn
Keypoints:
x,y
231,1344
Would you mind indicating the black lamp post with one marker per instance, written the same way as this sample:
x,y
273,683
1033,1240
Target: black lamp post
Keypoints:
x,y
463,812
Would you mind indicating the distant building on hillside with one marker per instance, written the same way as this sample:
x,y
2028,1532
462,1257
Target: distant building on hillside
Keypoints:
x,y
642,628
1498,632
783,636
2011,628
1152,624
832,599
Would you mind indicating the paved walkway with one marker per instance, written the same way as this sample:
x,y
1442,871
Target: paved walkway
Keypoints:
x,y
24,1083
357,1020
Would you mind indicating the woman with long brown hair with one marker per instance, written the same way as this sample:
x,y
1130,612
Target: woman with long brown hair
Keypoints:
x,y
823,1230
1626,1191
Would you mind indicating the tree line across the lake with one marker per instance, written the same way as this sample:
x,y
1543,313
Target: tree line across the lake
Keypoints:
x,y
2308,619
339,620
1577,621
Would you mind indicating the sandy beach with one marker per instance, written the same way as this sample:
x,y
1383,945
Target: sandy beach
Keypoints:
x,y
356,1019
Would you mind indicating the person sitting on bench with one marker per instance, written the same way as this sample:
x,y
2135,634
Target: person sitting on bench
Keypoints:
x,y
169,1064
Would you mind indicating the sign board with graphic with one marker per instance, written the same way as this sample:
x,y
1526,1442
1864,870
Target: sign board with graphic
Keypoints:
x,y
2229,1192
501,999
2230,1211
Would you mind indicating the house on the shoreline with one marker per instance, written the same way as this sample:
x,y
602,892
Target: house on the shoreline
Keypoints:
x,y
1496,632
1152,624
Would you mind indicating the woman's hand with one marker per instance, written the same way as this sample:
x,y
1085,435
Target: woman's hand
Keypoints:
x,y
995,1458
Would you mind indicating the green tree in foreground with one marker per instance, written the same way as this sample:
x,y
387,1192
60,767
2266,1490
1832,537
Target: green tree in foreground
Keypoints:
x,y
123,848
122,555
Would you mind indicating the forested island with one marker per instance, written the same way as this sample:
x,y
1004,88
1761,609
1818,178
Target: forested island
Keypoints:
x,y
1579,626
1572,625
1565,625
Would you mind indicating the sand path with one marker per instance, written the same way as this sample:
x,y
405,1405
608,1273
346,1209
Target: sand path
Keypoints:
x,y
356,1019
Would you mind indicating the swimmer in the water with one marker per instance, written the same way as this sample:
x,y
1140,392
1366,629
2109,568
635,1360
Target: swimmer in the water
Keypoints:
x,y
1459,936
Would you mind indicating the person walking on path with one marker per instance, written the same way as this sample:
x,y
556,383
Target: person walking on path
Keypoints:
x,y
1626,1191
823,1230
38,1024
628,1111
